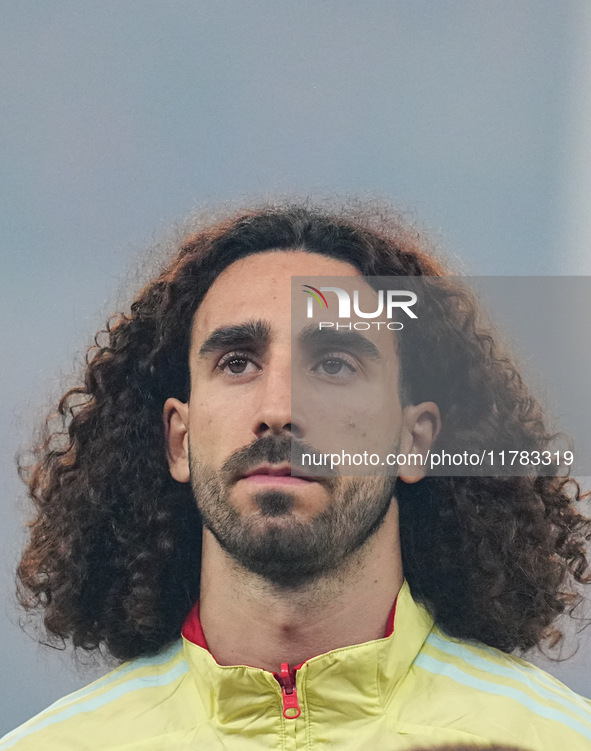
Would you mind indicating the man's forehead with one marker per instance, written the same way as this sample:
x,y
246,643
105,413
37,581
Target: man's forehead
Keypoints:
x,y
259,286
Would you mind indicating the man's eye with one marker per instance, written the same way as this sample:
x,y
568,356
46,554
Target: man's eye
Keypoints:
x,y
336,367
237,365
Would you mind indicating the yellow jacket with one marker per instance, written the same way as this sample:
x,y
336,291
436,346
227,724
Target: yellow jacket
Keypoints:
x,y
416,687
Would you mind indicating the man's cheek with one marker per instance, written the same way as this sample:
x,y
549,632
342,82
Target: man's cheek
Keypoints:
x,y
216,435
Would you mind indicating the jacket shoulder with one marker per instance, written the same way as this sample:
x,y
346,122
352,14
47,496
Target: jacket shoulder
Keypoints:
x,y
80,719
504,697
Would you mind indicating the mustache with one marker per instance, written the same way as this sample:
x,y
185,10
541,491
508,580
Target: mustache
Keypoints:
x,y
274,449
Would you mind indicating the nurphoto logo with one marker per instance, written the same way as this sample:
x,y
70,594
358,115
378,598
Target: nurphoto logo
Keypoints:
x,y
393,299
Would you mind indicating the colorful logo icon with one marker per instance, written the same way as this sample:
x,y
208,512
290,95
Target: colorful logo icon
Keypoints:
x,y
316,294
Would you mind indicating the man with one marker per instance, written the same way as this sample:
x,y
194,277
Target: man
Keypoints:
x,y
316,611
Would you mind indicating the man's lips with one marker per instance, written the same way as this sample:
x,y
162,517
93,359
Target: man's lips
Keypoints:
x,y
274,475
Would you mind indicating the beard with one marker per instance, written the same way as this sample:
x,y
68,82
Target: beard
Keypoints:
x,y
272,542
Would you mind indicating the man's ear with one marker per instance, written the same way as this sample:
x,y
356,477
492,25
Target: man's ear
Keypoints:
x,y
176,431
421,426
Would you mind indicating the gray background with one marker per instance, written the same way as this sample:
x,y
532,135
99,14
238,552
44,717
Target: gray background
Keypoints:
x,y
121,117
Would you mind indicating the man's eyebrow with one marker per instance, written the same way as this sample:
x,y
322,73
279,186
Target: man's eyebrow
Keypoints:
x,y
250,334
312,338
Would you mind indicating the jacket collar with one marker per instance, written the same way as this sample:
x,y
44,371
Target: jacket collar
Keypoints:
x,y
341,685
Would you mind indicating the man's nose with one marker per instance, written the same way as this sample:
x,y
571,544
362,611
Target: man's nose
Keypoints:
x,y
274,408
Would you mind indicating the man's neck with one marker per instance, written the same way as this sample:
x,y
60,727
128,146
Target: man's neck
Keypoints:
x,y
248,621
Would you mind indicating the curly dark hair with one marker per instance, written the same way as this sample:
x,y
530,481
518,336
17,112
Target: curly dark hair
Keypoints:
x,y
114,553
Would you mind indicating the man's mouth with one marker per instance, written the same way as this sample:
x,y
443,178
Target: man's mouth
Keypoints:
x,y
274,474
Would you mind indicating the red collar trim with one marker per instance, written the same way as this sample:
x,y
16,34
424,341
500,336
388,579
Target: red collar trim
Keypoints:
x,y
390,623
193,632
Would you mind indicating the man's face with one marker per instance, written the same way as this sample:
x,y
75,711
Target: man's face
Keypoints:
x,y
240,426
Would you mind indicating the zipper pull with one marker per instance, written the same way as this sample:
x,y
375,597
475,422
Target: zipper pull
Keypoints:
x,y
291,708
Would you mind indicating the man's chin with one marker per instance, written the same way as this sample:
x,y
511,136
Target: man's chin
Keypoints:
x,y
275,503
277,547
